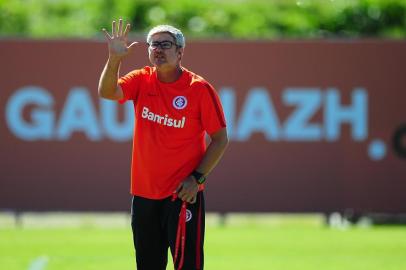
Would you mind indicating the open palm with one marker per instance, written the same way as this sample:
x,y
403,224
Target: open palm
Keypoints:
x,y
118,40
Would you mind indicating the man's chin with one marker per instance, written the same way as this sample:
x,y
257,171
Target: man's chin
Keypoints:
x,y
163,66
160,64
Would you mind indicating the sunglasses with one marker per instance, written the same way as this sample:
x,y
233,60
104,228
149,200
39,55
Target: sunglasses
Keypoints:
x,y
164,45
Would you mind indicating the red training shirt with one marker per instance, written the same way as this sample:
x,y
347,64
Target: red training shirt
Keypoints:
x,y
170,124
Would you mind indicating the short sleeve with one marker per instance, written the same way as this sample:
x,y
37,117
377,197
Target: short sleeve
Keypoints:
x,y
130,84
212,115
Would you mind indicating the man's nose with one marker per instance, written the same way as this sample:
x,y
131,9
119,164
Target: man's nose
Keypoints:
x,y
158,48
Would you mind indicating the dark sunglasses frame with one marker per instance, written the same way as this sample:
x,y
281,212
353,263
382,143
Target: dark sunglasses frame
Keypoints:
x,y
159,44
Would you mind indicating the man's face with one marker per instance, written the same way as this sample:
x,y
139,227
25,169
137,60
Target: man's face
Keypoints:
x,y
163,53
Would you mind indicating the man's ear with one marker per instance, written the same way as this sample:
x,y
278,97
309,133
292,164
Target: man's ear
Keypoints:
x,y
180,53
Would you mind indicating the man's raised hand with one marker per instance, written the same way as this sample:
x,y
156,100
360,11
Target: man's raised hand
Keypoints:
x,y
118,40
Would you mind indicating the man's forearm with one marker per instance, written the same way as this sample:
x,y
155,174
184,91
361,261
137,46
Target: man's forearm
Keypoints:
x,y
213,154
108,79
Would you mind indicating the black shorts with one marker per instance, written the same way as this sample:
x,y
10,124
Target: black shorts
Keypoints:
x,y
154,224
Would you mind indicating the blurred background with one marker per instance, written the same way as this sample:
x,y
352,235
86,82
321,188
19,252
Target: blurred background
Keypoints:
x,y
254,19
314,96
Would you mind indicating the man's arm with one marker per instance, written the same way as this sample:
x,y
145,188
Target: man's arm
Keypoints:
x,y
118,49
108,87
214,151
189,188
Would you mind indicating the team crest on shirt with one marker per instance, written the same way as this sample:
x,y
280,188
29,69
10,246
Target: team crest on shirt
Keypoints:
x,y
188,215
179,102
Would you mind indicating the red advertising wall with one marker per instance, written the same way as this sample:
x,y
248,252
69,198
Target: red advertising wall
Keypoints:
x,y
315,126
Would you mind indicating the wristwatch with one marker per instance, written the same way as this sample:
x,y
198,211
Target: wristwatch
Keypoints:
x,y
199,177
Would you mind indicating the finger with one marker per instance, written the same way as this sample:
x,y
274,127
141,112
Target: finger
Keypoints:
x,y
178,188
188,196
132,46
126,30
190,199
120,28
113,27
193,199
106,34
182,194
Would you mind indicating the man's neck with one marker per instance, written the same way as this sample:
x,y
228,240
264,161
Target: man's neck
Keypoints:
x,y
170,75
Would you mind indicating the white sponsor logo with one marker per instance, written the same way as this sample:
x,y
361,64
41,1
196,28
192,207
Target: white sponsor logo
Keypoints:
x,y
188,215
162,120
179,102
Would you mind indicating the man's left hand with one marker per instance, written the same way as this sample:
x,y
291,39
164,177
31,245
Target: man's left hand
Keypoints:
x,y
187,190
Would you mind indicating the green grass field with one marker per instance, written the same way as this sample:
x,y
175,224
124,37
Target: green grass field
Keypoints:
x,y
278,243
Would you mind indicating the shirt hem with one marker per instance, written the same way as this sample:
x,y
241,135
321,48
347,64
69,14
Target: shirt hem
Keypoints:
x,y
158,197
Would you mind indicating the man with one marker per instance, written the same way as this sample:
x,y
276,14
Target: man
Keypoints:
x,y
174,108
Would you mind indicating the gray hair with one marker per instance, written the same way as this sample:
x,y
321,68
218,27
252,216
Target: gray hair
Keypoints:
x,y
176,33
